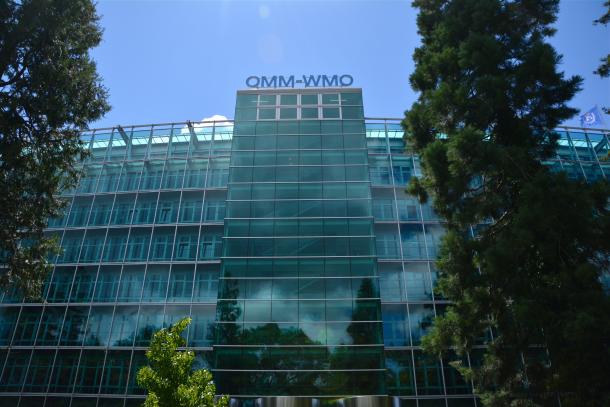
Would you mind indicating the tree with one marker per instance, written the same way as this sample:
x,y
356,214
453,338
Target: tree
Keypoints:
x,y
604,69
170,379
49,91
525,247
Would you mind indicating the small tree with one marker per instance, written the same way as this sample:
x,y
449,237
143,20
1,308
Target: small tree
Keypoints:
x,y
170,379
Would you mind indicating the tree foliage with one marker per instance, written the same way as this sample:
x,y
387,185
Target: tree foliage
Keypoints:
x,y
525,247
49,90
170,379
604,69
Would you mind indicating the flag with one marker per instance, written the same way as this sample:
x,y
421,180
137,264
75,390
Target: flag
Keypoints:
x,y
592,118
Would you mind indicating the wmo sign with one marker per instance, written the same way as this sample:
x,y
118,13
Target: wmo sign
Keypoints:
x,y
306,81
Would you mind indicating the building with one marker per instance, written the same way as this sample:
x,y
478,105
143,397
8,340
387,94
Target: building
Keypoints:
x,y
285,234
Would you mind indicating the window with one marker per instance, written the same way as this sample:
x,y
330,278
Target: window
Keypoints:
x,y
14,370
195,174
100,214
78,214
309,99
90,371
115,374
330,112
330,99
214,210
186,247
266,100
408,210
25,334
394,328
162,246
107,284
155,286
211,246
402,174
206,285
266,113
73,330
387,246
151,178
50,325
288,99
352,112
180,285
190,211
64,371
131,284
84,283
137,249
218,177
380,175
383,209
145,210
309,113
123,211
98,326
288,113
59,287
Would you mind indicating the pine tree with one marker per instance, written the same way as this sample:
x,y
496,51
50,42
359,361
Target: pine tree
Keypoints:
x,y
525,247
604,68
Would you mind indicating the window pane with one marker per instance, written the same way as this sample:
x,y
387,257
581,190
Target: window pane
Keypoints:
x,y
288,113
266,100
266,114
330,99
330,112
288,99
309,99
309,113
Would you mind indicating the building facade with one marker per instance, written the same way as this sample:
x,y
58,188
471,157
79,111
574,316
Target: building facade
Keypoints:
x,y
286,236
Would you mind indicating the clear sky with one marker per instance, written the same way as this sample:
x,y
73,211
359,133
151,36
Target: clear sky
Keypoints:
x,y
174,60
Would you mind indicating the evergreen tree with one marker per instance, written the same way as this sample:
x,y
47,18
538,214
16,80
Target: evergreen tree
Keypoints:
x,y
49,90
604,69
527,302
170,379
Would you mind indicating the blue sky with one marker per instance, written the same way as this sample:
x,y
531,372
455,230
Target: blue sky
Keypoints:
x,y
169,61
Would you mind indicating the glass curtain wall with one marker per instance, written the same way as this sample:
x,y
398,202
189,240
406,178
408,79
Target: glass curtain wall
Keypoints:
x,y
298,310
138,254
319,232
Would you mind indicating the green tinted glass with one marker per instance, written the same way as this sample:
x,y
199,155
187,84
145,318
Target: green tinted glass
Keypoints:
x,y
245,114
352,112
288,99
351,99
309,113
309,99
267,100
330,112
330,99
288,113
266,114
246,100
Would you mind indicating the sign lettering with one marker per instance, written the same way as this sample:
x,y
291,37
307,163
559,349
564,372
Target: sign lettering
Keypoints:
x,y
305,81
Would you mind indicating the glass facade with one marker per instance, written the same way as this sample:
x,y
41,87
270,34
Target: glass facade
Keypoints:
x,y
298,309
286,235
